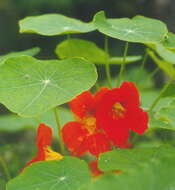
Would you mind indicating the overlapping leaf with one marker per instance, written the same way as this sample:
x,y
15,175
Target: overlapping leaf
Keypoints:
x,y
32,86
53,24
66,174
90,51
169,41
127,159
138,29
31,52
156,175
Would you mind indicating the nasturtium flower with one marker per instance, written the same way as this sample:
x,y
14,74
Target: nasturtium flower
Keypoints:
x,y
104,120
83,135
43,142
119,111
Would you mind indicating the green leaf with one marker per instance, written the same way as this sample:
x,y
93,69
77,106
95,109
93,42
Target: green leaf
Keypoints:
x,y
129,59
31,52
164,65
166,114
90,51
53,24
81,48
33,86
156,175
2,184
170,91
165,53
127,159
14,123
138,29
67,174
169,41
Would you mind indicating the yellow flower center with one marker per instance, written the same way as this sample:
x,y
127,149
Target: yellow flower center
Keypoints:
x,y
118,110
51,155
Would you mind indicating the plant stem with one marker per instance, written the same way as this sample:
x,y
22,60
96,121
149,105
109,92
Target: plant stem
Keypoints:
x,y
6,170
107,66
59,130
161,93
97,86
122,68
153,72
144,59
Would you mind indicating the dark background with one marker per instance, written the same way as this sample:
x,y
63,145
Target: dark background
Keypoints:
x,y
13,10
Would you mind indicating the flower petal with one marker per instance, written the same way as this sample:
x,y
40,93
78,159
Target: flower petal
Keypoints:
x,y
73,136
83,104
129,94
98,143
137,120
44,136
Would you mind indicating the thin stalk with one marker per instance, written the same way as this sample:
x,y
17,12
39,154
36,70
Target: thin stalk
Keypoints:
x,y
144,60
5,168
97,86
122,68
161,93
59,130
153,72
107,66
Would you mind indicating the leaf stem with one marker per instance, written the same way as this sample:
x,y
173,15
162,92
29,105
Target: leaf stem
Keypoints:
x,y
122,68
153,72
5,167
107,66
161,93
59,130
144,60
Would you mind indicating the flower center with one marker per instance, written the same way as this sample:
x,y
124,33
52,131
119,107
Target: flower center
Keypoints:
x,y
118,110
90,124
51,155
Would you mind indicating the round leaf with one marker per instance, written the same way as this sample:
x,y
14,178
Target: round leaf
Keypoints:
x,y
81,48
169,41
126,159
66,174
138,29
53,24
32,86
31,52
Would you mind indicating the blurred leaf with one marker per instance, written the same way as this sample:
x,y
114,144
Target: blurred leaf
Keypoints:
x,y
67,174
53,24
155,175
30,52
33,86
138,29
129,59
2,184
166,114
170,91
13,123
126,159
90,51
165,53
165,66
81,48
169,41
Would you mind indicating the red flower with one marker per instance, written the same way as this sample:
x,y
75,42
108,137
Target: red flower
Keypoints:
x,y
43,142
118,112
83,135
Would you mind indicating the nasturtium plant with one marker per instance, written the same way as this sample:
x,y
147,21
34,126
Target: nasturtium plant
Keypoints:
x,y
93,133
63,174
169,41
38,85
127,159
54,24
138,29
30,52
86,49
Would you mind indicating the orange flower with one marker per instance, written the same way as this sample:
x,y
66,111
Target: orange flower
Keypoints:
x,y
43,141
